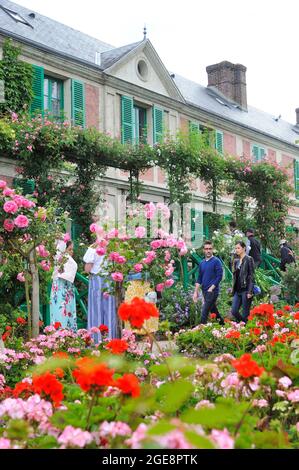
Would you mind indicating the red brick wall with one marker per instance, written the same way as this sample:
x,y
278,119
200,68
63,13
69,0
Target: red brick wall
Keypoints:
x,y
230,145
246,149
271,155
92,106
148,175
161,176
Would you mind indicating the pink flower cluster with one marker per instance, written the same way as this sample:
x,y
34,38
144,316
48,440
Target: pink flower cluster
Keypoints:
x,y
114,429
33,409
74,437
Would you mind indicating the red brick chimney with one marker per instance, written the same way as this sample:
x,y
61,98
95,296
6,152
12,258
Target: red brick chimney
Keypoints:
x,y
229,79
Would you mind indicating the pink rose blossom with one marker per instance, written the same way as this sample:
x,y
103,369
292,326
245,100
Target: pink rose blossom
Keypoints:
x,y
140,232
45,265
8,225
2,184
10,207
138,267
169,282
21,277
117,276
41,250
112,234
101,251
66,237
155,244
22,221
8,192
160,287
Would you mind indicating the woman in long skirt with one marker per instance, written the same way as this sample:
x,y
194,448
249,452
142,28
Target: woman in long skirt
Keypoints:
x,y
63,301
101,306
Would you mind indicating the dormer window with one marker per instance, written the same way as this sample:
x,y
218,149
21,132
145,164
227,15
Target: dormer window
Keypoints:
x,y
15,16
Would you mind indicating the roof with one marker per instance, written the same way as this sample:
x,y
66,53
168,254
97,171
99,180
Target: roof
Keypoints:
x,y
45,32
112,56
213,102
51,33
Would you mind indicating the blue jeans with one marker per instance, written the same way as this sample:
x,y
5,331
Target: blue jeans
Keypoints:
x,y
240,299
209,306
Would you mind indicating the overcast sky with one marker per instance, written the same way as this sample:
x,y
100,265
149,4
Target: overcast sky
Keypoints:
x,y
191,34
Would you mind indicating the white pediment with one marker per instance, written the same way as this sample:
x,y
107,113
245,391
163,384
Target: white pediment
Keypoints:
x,y
143,67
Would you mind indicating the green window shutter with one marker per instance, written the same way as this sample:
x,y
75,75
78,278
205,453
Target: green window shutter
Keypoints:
x,y
78,103
262,153
157,124
296,178
196,227
26,185
256,152
37,104
127,119
219,141
193,127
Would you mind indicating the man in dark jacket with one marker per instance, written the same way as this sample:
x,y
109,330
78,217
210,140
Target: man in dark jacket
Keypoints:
x,y
286,255
255,248
209,277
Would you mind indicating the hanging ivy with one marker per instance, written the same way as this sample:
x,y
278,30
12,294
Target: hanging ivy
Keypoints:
x,y
17,76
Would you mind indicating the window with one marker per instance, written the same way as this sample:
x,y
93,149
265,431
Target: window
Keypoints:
x,y
139,125
258,153
133,121
53,96
15,16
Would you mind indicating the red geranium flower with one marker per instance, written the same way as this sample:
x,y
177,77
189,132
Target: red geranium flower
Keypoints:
x,y
296,316
213,315
5,335
48,385
57,325
22,388
92,374
137,311
233,334
287,308
8,328
129,385
103,329
247,367
117,346
264,313
21,321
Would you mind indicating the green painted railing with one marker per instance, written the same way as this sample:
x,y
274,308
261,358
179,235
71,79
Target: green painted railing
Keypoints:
x,y
187,270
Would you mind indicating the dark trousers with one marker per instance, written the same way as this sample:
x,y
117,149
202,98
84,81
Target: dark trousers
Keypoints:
x,y
240,299
209,306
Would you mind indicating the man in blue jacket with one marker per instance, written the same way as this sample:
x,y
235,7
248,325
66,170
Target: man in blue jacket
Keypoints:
x,y
209,278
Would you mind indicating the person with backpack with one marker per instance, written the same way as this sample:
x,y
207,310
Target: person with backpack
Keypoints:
x,y
254,248
287,255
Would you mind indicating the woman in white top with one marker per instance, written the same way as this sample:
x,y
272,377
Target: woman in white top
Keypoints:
x,y
63,301
101,307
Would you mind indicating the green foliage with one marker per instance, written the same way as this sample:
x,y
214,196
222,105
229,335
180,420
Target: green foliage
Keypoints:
x,y
177,307
290,282
17,76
